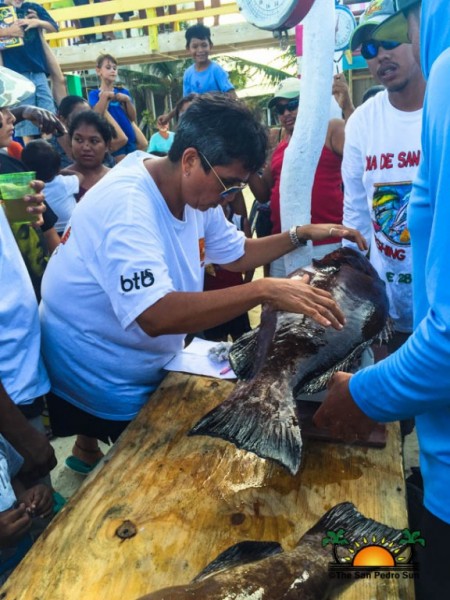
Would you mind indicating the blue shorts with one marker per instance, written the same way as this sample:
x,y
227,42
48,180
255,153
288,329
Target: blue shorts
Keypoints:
x,y
42,98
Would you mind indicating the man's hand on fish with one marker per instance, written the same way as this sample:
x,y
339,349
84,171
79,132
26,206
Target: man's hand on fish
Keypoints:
x,y
297,296
323,231
340,415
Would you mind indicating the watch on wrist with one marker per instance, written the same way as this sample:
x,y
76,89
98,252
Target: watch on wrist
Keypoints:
x,y
297,241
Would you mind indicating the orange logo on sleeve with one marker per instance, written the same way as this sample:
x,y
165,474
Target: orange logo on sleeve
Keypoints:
x,y
201,247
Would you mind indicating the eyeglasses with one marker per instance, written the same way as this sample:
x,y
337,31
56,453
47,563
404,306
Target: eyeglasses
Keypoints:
x,y
290,106
227,191
370,48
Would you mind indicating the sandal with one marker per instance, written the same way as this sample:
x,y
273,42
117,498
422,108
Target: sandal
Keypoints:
x,y
79,466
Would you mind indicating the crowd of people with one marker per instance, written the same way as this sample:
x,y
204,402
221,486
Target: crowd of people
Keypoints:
x,y
150,242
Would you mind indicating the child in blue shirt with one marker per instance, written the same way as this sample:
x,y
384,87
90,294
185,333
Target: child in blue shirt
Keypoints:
x,y
204,75
29,59
116,101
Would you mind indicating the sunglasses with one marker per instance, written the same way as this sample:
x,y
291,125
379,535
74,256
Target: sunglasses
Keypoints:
x,y
370,48
290,106
227,191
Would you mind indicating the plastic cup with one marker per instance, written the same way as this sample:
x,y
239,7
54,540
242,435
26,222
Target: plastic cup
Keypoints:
x,y
13,187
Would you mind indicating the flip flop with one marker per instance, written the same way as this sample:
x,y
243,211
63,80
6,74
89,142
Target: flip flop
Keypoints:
x,y
58,502
79,466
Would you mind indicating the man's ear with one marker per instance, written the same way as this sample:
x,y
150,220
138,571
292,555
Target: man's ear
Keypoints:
x,y
189,160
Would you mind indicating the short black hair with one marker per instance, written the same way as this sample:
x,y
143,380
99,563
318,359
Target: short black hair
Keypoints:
x,y
223,129
201,32
90,117
40,156
68,103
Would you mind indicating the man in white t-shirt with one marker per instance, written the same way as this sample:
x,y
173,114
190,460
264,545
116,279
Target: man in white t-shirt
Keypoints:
x,y
126,283
381,156
23,378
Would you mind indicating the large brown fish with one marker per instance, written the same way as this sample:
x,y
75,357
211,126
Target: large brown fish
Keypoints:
x,y
290,354
263,571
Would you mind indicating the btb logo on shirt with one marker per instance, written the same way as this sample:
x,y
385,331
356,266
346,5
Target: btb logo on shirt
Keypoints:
x,y
139,280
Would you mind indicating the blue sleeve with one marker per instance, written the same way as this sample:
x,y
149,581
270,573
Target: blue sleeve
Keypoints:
x,y
186,83
93,97
416,379
221,76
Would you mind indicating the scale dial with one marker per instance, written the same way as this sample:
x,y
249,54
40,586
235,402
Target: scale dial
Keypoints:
x,y
274,14
345,25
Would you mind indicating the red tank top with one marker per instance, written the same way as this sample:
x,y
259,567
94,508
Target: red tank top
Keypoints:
x,y
327,198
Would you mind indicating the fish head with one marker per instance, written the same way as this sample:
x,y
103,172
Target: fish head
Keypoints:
x,y
345,256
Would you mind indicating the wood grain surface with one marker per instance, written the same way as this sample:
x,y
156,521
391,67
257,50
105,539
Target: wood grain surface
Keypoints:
x,y
163,505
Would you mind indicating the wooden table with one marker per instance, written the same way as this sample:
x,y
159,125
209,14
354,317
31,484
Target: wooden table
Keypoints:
x,y
183,500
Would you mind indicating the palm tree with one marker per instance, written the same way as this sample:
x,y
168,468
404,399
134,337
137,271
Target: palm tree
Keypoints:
x,y
155,88
411,538
269,75
165,80
337,539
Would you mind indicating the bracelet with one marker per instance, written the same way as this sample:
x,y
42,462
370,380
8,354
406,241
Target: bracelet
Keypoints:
x,y
296,241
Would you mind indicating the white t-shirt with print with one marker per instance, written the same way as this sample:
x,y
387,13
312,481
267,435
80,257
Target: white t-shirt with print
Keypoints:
x,y
123,251
381,156
22,371
59,194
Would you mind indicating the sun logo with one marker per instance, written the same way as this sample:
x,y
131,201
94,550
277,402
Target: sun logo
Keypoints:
x,y
372,552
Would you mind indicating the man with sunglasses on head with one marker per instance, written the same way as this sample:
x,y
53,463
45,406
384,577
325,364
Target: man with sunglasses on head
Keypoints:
x,y
381,156
327,195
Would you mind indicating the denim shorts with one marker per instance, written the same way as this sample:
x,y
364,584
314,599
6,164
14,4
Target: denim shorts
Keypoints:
x,y
42,98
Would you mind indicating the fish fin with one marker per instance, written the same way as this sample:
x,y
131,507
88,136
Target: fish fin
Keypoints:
x,y
317,384
259,418
386,333
239,554
242,355
248,354
354,524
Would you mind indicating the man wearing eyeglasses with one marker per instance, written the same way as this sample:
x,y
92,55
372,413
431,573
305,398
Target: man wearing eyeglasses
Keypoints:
x,y
381,156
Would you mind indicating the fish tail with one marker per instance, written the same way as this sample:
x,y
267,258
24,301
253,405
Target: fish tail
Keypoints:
x,y
355,525
259,418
